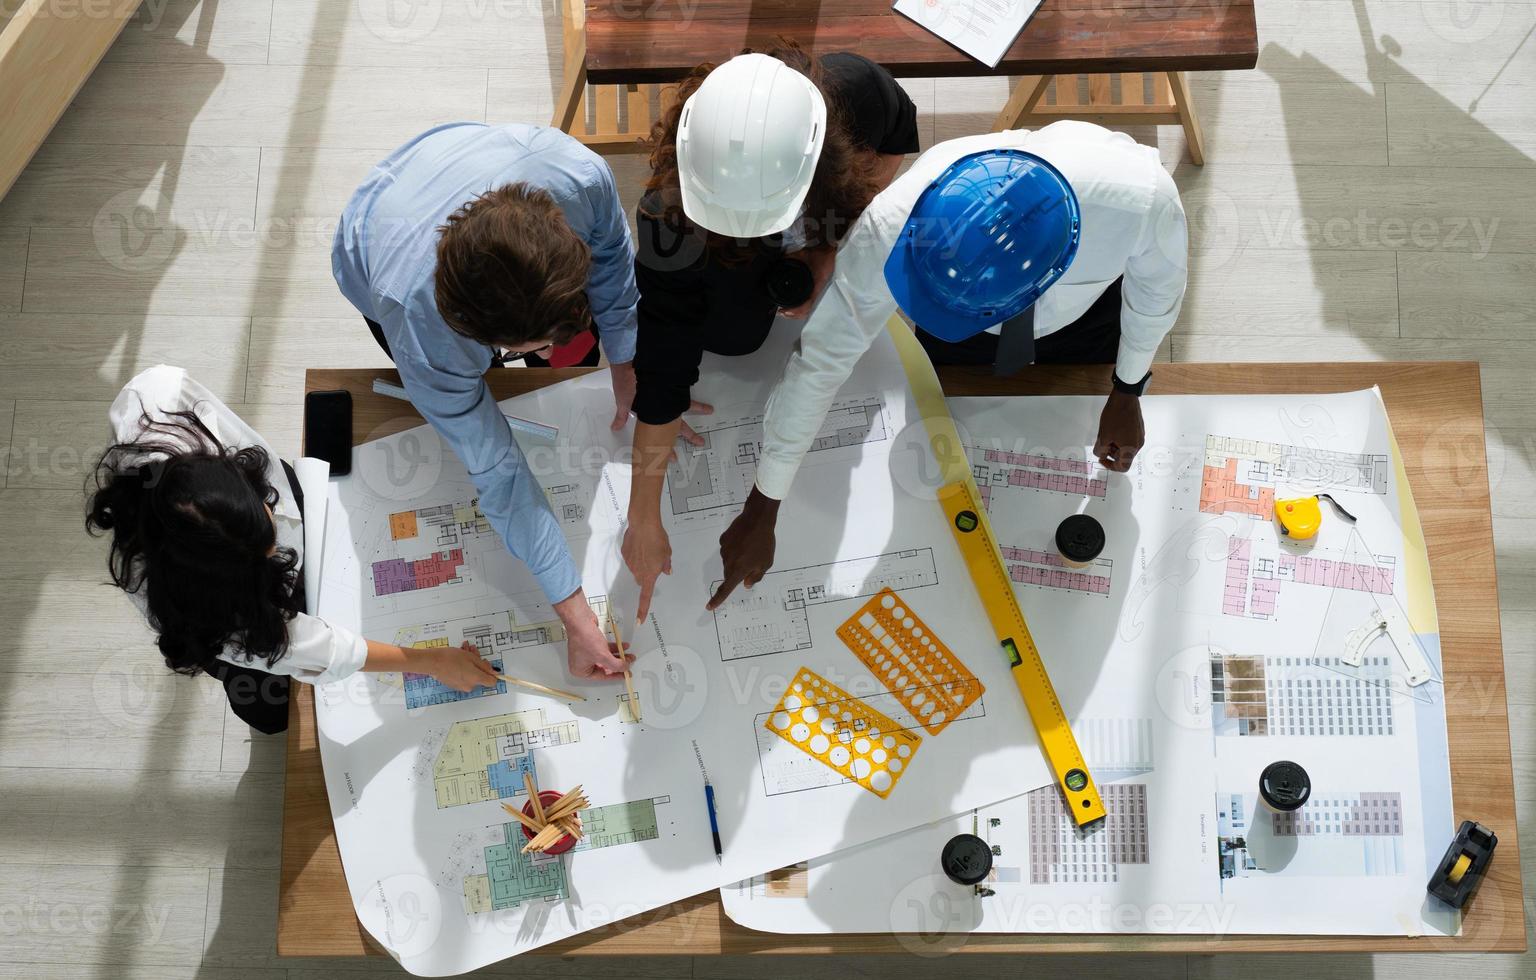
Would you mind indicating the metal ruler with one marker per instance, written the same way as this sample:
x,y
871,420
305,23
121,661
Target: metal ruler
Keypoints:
x,y
973,533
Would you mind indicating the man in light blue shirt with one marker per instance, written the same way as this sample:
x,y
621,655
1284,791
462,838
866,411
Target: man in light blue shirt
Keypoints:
x,y
474,242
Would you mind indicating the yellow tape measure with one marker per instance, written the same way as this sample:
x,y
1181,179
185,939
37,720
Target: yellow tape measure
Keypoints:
x,y
973,533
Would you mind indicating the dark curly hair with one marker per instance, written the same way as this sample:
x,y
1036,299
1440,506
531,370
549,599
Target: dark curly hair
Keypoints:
x,y
191,529
511,271
841,186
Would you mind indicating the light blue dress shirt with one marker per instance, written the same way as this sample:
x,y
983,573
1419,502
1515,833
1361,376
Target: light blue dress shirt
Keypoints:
x,y
384,257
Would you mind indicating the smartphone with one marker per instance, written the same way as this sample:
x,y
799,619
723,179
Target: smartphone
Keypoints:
x,y
328,429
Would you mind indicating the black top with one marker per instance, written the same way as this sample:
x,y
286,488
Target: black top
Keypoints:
x,y
1285,785
692,301
966,859
880,114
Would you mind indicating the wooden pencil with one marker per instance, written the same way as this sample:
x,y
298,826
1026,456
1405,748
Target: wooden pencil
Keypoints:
x,y
533,794
534,686
629,684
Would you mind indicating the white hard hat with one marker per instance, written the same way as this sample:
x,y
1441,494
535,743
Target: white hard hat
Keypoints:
x,y
747,146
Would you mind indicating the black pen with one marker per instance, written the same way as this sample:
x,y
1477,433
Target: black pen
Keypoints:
x,y
714,823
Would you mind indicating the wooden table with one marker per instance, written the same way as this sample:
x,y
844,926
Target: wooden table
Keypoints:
x,y
1437,414
651,41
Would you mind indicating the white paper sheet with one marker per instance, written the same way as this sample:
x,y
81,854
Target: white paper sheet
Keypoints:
x,y
312,475
983,29
1200,647
416,774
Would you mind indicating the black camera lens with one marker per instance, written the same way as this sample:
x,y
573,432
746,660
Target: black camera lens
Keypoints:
x,y
789,283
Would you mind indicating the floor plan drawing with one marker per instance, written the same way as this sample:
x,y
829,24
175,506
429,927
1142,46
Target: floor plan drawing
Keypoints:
x,y
405,783
774,615
997,470
1049,570
1242,654
1241,475
1254,579
720,473
485,759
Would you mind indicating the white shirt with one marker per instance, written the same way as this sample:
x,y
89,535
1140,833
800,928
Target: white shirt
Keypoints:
x,y
1132,226
317,652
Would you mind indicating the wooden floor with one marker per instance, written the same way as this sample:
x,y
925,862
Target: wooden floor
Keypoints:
x,y
1371,193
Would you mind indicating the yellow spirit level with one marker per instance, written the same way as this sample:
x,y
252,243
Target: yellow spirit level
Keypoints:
x,y
973,533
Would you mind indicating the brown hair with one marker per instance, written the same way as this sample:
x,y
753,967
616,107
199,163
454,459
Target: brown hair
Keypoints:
x,y
511,271
841,187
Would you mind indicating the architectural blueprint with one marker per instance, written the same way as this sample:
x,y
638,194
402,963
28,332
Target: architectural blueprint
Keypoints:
x,y
1200,647
807,750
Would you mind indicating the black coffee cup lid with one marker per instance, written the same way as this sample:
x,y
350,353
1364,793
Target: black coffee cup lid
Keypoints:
x,y
1285,785
966,859
1080,538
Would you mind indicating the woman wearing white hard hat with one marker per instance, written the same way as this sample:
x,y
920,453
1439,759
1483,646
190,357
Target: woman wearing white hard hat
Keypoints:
x,y
759,169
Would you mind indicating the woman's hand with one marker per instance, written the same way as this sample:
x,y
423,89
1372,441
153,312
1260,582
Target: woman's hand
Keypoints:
x,y
648,555
461,668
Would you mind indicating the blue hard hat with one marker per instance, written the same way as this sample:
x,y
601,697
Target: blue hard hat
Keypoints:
x,y
984,240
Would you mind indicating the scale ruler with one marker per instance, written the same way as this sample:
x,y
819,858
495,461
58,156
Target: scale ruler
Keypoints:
x,y
973,533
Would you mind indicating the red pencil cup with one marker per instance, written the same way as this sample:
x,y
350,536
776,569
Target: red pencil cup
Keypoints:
x,y
547,797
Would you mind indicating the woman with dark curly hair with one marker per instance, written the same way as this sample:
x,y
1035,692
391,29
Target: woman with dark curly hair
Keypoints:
x,y
759,168
207,539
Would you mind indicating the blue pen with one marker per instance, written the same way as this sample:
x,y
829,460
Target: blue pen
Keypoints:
x,y
714,824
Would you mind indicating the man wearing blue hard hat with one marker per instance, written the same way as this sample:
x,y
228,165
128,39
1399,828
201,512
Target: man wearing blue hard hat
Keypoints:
x,y
1061,245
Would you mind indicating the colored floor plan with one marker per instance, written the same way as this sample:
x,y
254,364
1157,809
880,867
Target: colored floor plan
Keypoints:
x,y
773,616
1240,475
494,874
1047,569
422,690
996,469
429,547
495,635
483,760
720,472
1253,583
1258,696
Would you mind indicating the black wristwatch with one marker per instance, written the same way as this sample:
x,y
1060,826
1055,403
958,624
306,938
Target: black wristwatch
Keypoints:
x,y
1132,389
